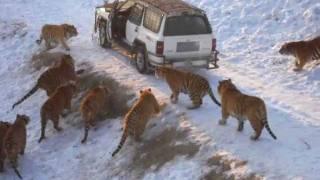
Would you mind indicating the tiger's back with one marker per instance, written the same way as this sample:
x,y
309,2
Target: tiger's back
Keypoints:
x,y
92,104
192,84
303,51
62,72
138,116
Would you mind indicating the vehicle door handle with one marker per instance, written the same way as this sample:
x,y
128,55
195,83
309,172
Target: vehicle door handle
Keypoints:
x,y
136,29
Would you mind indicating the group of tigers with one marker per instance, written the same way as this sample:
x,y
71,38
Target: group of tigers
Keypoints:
x,y
60,83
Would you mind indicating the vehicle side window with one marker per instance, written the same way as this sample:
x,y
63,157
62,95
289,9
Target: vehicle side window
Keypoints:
x,y
136,14
152,20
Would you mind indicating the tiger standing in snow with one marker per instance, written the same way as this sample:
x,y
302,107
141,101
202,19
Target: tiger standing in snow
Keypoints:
x,y
242,107
194,85
61,73
303,51
92,104
15,140
54,106
138,116
54,34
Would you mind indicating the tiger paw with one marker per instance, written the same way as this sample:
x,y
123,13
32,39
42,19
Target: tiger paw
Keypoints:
x,y
221,122
297,69
42,138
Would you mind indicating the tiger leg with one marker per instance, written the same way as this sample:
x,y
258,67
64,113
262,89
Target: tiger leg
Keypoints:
x,y
225,116
138,132
240,124
174,97
1,165
43,129
55,121
2,157
300,62
257,127
86,131
64,44
48,45
23,145
196,100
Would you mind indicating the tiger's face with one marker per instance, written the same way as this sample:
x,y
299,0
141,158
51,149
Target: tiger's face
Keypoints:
x,y
286,49
224,85
159,73
22,119
71,30
146,93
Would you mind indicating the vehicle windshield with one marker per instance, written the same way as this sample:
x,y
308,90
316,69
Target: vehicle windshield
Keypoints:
x,y
187,25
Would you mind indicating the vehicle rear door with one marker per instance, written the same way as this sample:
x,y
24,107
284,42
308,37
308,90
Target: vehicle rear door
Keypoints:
x,y
133,23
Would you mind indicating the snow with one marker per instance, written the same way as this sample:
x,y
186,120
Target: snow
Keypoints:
x,y
178,142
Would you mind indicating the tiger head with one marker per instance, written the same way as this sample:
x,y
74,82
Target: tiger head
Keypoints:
x,y
160,72
287,48
71,31
225,85
22,119
67,60
146,93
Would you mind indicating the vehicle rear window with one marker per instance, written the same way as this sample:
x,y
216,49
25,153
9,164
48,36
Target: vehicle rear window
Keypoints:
x,y
186,25
136,14
152,20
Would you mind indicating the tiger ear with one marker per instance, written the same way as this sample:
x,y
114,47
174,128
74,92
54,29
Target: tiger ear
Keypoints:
x,y
229,80
149,89
141,91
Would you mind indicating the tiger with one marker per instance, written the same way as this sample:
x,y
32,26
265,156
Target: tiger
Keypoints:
x,y
303,51
4,127
138,116
15,140
52,33
92,104
53,78
194,85
53,107
242,107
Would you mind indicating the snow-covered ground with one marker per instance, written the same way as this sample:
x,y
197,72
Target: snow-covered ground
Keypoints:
x,y
179,144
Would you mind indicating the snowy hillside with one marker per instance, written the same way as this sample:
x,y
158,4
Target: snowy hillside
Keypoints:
x,y
179,144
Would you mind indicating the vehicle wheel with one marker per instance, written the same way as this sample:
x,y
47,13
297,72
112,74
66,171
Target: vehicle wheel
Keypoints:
x,y
104,41
141,61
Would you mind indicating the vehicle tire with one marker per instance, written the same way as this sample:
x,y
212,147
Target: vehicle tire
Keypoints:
x,y
104,39
141,60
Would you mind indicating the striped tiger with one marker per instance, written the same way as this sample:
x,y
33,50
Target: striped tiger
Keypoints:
x,y
4,127
15,141
54,34
242,107
53,78
303,51
138,116
54,106
92,104
194,85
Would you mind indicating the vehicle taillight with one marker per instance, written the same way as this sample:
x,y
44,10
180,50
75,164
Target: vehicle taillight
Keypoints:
x,y
159,48
214,44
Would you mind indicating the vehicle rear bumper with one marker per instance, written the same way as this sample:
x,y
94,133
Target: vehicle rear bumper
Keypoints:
x,y
199,61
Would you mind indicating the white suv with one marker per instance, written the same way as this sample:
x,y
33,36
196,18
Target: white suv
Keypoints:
x,y
158,32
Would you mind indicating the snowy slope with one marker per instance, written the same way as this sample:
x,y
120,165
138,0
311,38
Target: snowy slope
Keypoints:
x,y
180,144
